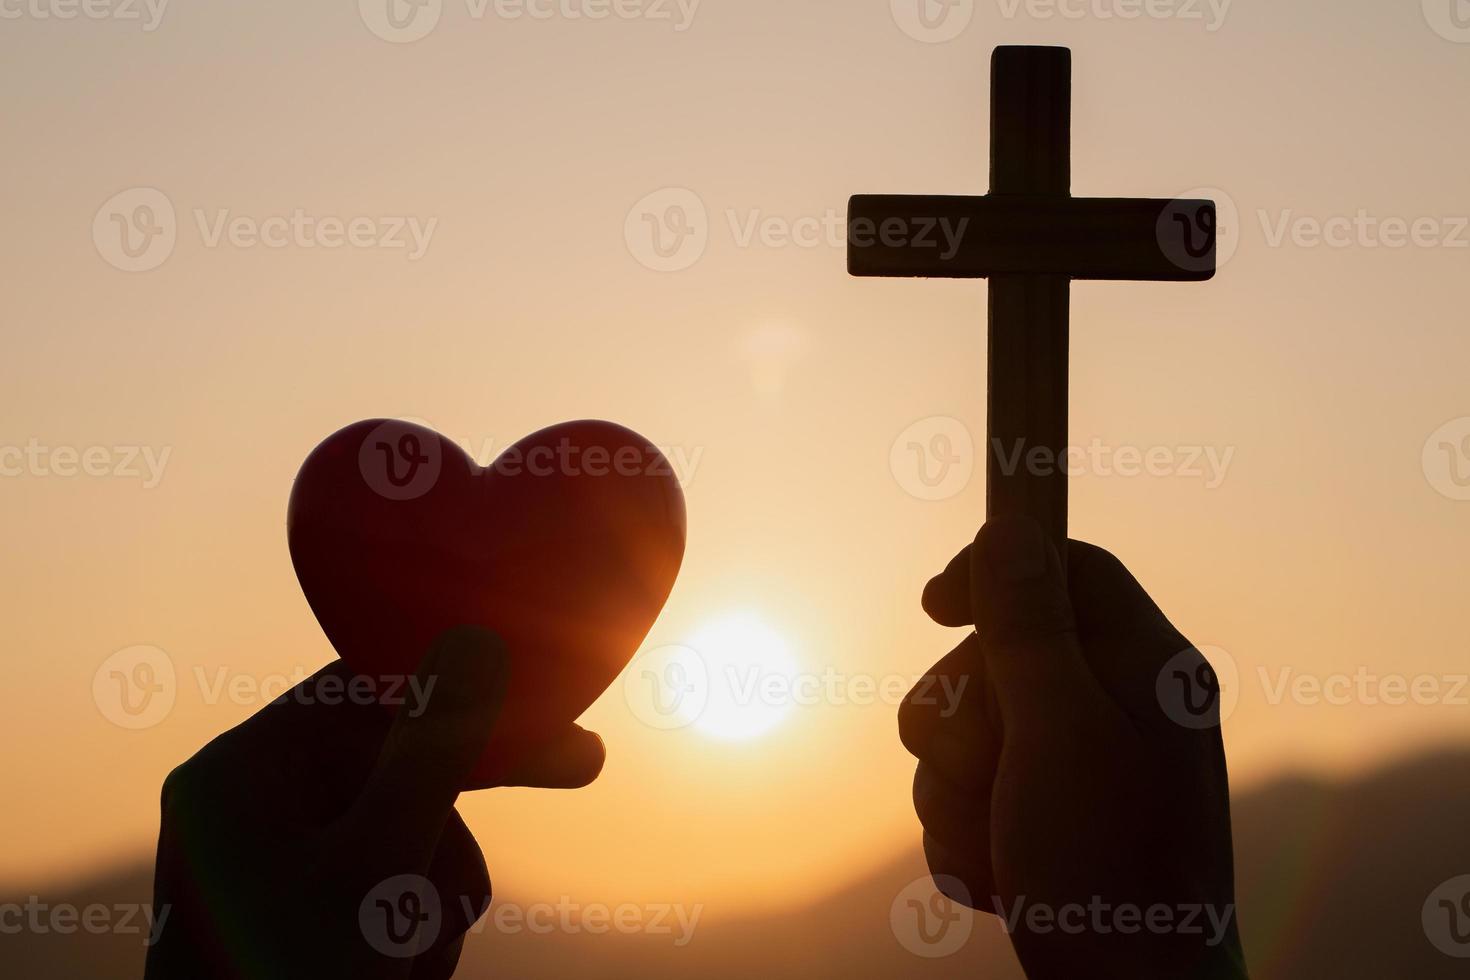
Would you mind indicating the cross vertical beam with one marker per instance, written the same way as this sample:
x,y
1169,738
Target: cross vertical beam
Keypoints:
x,y
1029,340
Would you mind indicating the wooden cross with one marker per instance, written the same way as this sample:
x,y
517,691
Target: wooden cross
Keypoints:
x,y
1030,238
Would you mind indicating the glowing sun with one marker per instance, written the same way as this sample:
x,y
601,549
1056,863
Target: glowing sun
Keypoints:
x,y
750,672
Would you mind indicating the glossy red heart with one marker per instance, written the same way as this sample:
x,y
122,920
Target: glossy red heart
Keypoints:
x,y
566,546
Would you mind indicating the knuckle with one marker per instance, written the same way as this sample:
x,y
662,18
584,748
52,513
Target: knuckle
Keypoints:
x,y
1093,558
963,882
206,775
181,786
906,729
914,724
928,799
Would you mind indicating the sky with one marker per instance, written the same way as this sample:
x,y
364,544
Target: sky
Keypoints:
x,y
330,220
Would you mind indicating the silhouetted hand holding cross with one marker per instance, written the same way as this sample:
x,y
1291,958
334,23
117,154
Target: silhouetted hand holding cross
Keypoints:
x,y
1062,792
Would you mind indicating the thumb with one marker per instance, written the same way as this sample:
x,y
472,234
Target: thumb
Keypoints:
x,y
429,752
1024,619
570,760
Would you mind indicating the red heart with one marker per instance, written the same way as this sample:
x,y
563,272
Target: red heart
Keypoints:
x,y
566,546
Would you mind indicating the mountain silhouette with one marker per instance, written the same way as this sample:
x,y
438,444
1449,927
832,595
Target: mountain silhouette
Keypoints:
x,y
1333,881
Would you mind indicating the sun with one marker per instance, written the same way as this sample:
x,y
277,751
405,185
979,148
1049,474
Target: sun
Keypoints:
x,y
750,672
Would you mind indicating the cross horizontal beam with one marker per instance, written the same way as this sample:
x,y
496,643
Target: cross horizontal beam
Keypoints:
x,y
944,236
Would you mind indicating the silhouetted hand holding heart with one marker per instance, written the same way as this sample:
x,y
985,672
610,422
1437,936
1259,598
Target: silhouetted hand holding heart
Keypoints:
x,y
478,611
319,838
1067,790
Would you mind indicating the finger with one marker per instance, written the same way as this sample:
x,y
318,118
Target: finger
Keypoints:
x,y
438,963
1025,622
949,713
947,595
963,880
570,761
1109,601
302,757
1129,642
1106,598
429,752
458,873
956,816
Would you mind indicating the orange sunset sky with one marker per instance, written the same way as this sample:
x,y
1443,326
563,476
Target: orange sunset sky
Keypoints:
x,y
1322,542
